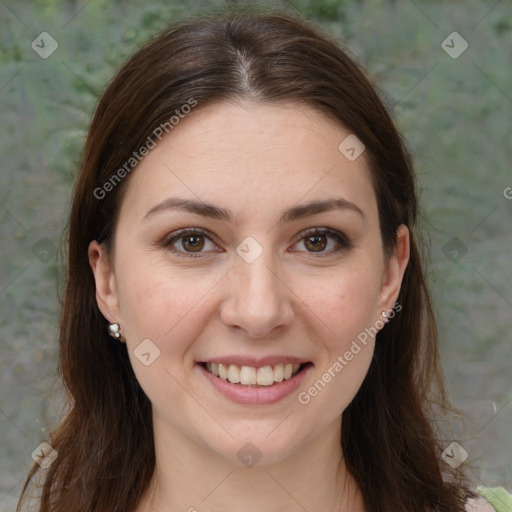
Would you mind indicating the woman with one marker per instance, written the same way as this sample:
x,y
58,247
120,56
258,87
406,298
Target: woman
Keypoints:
x,y
243,227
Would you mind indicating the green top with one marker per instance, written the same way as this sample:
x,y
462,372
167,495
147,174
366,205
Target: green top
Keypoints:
x,y
498,497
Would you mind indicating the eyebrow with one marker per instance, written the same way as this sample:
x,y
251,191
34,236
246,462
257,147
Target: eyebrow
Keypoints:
x,y
215,212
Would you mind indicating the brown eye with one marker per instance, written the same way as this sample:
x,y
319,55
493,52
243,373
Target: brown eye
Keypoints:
x,y
324,241
189,243
315,243
193,243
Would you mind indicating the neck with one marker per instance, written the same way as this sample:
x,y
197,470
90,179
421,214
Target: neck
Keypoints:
x,y
189,477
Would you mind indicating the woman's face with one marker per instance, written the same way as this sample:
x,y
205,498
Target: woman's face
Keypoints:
x,y
236,275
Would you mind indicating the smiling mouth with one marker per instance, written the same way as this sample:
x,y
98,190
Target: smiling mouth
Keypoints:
x,y
254,377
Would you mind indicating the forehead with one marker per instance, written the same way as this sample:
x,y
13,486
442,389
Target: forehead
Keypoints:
x,y
249,156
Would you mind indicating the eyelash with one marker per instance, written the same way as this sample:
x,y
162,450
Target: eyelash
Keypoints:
x,y
344,243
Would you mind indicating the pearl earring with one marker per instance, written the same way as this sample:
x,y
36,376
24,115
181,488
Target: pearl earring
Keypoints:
x,y
113,330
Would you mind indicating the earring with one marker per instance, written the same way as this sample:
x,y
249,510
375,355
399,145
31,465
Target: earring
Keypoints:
x,y
113,330
385,316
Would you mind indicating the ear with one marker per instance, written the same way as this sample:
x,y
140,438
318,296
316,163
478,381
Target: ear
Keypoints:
x,y
106,290
395,269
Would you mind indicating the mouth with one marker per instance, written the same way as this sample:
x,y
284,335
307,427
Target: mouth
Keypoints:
x,y
255,377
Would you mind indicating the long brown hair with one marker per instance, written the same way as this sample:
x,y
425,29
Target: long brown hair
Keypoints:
x,y
105,442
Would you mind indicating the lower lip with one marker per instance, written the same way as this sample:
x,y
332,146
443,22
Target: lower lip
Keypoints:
x,y
248,395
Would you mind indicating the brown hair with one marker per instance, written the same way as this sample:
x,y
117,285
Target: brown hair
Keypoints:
x,y
105,442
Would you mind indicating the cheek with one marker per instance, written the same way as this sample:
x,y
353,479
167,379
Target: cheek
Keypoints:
x,y
345,302
346,305
162,306
169,311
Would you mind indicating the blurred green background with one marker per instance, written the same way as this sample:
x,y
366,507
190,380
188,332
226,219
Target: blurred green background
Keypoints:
x,y
454,111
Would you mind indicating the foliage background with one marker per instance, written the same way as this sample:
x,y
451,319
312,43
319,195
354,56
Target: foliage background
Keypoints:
x,y
455,114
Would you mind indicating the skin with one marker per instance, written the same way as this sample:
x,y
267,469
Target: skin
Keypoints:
x,y
256,160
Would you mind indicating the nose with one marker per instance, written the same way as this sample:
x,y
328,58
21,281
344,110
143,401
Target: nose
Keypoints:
x,y
258,298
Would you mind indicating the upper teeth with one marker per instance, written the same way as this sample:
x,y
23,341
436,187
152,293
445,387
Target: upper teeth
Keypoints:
x,y
248,375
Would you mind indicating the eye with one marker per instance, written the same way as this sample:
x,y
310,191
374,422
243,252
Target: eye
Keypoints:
x,y
192,242
189,243
318,239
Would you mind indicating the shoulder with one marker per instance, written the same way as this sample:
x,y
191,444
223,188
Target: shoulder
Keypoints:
x,y
490,499
479,505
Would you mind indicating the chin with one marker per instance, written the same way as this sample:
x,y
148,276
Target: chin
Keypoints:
x,y
261,446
